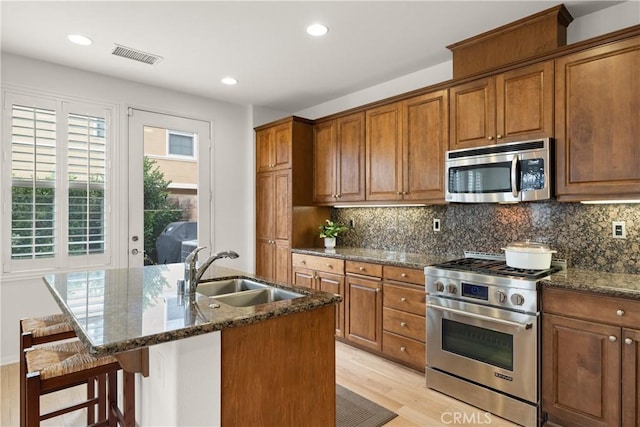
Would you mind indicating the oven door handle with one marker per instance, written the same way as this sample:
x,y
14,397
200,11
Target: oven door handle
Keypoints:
x,y
528,325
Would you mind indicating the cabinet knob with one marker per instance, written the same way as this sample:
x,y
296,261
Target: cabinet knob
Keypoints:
x,y
612,338
499,136
490,138
329,265
399,193
404,192
303,262
338,196
377,289
620,312
403,275
403,324
403,299
403,348
628,341
361,268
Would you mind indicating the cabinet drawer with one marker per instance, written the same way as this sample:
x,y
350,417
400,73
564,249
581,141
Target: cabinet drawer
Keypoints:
x,y
403,274
364,268
407,350
597,308
318,263
405,324
405,299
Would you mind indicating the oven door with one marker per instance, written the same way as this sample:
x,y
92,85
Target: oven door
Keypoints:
x,y
494,347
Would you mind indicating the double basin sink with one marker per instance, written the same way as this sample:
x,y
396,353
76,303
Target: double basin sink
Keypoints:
x,y
243,292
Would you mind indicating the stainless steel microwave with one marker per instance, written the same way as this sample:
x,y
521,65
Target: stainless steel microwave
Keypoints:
x,y
513,172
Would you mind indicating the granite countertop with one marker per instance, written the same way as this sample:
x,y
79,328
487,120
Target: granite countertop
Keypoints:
x,y
116,310
610,284
400,259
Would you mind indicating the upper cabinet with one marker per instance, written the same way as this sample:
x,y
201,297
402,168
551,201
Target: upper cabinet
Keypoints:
x,y
274,147
338,150
598,122
516,105
405,149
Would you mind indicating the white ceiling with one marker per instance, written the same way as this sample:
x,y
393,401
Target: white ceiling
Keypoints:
x,y
263,44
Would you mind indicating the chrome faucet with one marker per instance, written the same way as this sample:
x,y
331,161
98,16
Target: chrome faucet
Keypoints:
x,y
193,273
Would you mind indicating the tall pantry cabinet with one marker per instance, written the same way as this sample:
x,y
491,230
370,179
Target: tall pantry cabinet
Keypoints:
x,y
285,216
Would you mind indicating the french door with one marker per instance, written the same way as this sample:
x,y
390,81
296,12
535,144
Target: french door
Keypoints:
x,y
169,187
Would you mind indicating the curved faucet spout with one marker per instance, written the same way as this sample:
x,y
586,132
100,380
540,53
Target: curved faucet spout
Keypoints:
x,y
193,273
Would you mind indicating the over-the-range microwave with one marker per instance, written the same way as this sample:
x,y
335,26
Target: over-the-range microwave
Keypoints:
x,y
512,172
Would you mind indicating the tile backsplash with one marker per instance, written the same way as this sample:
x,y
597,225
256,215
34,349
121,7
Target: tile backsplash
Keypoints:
x,y
582,234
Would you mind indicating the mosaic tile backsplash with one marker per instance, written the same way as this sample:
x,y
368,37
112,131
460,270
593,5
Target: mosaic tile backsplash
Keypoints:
x,y
582,234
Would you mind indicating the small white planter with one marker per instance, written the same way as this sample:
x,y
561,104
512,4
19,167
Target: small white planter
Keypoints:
x,y
329,242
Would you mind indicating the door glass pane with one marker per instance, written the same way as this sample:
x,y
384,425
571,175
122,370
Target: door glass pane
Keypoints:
x,y
170,196
485,345
489,178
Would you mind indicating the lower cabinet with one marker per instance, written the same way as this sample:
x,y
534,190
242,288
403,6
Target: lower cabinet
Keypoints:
x,y
325,274
363,310
590,361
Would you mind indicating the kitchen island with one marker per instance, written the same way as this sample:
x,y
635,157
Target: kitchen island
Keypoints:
x,y
205,363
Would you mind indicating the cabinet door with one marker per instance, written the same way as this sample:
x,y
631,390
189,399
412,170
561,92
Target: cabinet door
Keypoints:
x,y
597,122
363,312
303,278
265,207
280,198
350,160
581,372
282,146
324,162
282,262
425,140
334,283
631,378
265,259
264,149
524,103
473,114
384,153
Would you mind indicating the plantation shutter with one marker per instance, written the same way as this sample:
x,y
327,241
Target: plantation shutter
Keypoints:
x,y
33,174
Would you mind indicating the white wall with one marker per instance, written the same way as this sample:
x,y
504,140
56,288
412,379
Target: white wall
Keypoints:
x,y
605,21
233,225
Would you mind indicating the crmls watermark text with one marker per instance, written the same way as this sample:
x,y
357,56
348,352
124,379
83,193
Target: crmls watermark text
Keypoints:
x,y
461,418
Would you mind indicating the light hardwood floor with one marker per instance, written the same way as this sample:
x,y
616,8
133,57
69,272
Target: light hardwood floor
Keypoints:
x,y
393,386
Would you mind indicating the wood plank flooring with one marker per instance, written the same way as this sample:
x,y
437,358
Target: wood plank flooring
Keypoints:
x,y
393,386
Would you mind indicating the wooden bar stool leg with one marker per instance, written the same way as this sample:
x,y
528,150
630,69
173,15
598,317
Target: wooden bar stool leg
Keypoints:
x,y
102,398
112,396
129,404
91,409
32,400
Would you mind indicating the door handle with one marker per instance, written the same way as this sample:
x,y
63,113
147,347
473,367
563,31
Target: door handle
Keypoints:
x,y
514,177
481,317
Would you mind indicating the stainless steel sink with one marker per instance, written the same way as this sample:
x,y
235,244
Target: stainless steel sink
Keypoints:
x,y
256,297
228,286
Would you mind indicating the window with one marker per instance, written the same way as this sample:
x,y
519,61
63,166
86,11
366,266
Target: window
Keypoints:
x,y
58,183
181,144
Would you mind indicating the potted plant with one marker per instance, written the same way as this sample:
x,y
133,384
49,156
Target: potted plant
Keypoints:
x,y
329,231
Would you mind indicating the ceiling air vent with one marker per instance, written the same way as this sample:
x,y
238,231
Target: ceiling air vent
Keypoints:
x,y
136,55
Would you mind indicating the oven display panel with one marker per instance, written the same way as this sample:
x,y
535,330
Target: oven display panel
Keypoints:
x,y
475,291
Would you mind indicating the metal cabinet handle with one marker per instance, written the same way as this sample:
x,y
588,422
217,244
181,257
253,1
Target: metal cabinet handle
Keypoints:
x,y
403,299
481,317
613,338
403,324
403,348
403,275
499,136
361,268
620,312
628,341
490,138
377,289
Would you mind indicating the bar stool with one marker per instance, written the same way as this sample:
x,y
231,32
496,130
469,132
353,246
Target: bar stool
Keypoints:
x,y
59,366
37,331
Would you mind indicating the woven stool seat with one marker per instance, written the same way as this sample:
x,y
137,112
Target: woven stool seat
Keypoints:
x,y
46,325
61,359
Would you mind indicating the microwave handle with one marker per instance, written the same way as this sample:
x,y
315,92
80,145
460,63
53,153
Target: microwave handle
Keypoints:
x,y
514,175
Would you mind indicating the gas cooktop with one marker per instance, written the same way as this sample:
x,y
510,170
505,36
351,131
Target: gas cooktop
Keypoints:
x,y
495,268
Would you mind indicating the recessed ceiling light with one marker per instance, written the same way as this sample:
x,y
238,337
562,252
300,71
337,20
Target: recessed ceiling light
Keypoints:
x,y
229,81
79,39
317,30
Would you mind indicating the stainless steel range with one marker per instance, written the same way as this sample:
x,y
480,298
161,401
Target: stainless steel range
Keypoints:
x,y
483,334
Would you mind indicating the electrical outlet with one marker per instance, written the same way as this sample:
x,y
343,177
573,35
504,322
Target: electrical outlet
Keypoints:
x,y
619,229
352,223
436,224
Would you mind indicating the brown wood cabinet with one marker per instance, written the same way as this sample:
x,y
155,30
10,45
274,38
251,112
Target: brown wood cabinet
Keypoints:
x,y
516,105
590,359
338,152
403,317
598,122
406,142
284,212
325,274
363,304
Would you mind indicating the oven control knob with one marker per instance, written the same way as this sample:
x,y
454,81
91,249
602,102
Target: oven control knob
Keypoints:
x,y
453,289
517,299
439,286
501,296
